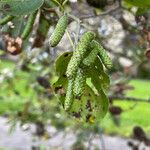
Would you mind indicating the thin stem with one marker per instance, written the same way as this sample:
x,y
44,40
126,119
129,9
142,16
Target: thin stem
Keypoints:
x,y
74,18
64,2
78,26
78,31
79,21
59,4
69,37
101,14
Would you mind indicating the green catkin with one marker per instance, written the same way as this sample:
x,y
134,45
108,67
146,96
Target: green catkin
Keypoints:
x,y
79,54
90,59
29,26
59,31
69,95
103,55
6,19
79,83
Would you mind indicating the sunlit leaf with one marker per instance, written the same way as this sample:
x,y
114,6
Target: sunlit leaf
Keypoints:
x,y
90,108
139,3
60,88
62,62
20,7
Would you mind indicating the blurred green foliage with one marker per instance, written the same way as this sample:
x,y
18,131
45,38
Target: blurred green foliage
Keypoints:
x,y
11,102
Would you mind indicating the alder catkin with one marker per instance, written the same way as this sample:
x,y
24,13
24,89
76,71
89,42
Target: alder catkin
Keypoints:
x,y
79,83
6,19
29,26
69,95
79,54
103,55
90,59
59,31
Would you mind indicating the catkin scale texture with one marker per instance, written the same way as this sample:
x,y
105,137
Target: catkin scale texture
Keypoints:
x,y
103,55
29,26
59,31
90,59
79,54
69,95
79,83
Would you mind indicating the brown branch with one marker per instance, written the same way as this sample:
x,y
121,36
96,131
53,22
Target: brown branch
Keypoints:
x,y
124,98
50,10
111,11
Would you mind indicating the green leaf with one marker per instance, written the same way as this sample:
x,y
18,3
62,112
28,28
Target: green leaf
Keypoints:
x,y
103,104
142,11
90,108
99,65
61,84
102,98
62,63
60,88
98,73
105,80
20,7
139,3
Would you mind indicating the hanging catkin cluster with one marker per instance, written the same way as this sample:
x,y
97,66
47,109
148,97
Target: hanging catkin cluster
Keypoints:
x,y
85,55
87,52
59,31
